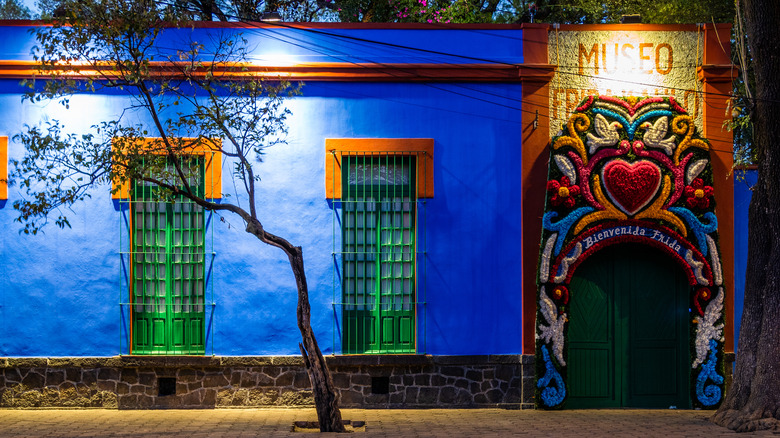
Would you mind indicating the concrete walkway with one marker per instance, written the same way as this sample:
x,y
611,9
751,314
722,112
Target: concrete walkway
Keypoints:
x,y
448,423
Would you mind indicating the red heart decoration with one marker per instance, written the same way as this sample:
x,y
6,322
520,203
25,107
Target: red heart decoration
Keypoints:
x,y
631,186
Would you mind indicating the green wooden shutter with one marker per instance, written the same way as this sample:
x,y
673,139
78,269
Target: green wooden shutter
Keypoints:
x,y
187,280
378,254
149,273
168,271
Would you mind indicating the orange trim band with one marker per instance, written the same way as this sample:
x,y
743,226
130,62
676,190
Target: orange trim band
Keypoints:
x,y
210,150
338,147
320,71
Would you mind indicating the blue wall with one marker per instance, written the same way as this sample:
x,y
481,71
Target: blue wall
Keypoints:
x,y
744,181
389,45
60,291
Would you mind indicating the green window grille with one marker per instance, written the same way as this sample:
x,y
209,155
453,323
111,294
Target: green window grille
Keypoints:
x,y
168,264
379,297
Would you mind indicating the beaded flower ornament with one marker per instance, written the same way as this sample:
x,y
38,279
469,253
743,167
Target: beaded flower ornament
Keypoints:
x,y
630,170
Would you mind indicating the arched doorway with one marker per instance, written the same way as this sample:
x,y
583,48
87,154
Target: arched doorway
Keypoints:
x,y
629,330
647,321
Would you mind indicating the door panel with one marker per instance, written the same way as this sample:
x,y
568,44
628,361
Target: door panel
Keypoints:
x,y
592,368
593,380
158,333
658,348
628,330
657,375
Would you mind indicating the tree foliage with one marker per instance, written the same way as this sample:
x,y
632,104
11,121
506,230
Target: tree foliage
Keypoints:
x,y
466,11
741,102
181,91
440,11
14,10
201,93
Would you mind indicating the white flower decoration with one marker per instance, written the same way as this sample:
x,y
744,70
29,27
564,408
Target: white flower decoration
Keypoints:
x,y
552,333
707,329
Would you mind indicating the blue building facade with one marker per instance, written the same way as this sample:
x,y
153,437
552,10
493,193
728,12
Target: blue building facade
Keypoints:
x,y
468,105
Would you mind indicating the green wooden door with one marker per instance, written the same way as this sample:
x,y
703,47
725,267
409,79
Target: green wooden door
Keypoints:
x,y
378,254
168,272
594,371
396,287
628,332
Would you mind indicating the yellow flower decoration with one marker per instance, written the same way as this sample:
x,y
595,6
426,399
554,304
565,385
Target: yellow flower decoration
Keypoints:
x,y
655,211
577,123
611,211
684,125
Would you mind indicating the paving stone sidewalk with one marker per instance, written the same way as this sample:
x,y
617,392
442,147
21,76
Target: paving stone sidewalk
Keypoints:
x,y
482,423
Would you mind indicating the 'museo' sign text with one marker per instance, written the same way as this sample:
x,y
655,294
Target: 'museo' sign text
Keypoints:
x,y
638,57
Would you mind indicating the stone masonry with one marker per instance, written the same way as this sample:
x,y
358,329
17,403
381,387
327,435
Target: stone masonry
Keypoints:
x,y
136,382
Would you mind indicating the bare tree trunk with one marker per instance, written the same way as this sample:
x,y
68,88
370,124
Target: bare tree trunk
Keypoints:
x,y
753,402
326,398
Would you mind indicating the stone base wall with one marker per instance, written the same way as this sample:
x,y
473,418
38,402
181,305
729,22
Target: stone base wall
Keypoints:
x,y
134,382
434,381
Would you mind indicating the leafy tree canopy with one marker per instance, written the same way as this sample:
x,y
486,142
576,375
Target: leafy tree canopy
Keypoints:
x,y
435,11
14,10
186,93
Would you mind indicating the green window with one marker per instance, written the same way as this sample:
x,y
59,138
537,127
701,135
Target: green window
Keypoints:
x,y
378,254
167,253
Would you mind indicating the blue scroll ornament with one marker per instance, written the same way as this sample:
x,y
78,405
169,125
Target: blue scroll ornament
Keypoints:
x,y
551,395
699,229
709,395
631,127
563,225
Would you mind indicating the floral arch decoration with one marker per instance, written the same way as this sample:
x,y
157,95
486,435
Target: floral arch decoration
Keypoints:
x,y
630,170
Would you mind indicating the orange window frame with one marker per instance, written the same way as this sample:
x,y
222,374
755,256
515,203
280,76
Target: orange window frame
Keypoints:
x,y
338,147
211,151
